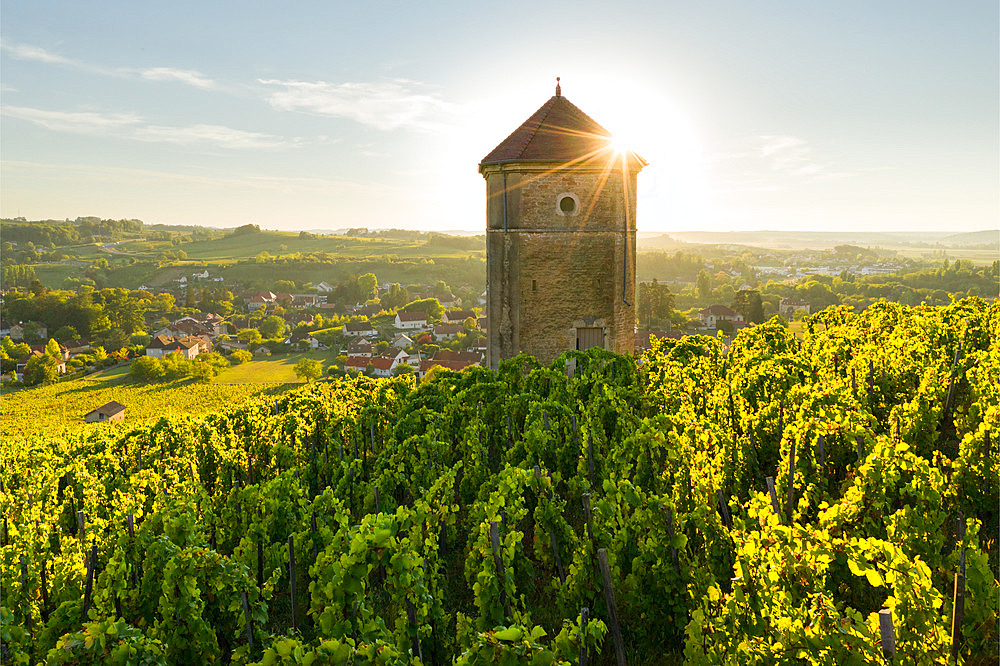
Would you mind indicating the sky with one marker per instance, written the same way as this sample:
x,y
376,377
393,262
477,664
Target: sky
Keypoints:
x,y
854,115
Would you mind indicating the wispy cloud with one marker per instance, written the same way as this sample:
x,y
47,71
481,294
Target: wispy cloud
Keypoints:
x,y
384,105
77,122
190,77
134,127
37,54
771,162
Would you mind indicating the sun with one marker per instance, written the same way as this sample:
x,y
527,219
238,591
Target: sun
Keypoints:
x,y
618,145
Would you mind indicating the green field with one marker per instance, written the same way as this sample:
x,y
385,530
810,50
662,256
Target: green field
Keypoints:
x,y
275,369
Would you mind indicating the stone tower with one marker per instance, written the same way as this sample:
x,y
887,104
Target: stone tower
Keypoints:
x,y
560,237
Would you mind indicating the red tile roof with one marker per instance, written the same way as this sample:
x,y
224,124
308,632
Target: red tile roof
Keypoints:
x,y
357,362
556,132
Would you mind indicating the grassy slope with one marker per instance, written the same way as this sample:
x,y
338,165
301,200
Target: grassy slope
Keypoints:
x,y
273,369
52,409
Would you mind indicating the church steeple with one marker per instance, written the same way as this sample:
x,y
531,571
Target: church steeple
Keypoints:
x,y
558,88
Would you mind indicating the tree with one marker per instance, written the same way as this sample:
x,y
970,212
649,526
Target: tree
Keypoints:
x,y
124,313
249,335
272,327
66,333
240,356
395,297
308,369
147,369
402,369
655,303
369,285
430,306
748,303
41,370
704,284
52,349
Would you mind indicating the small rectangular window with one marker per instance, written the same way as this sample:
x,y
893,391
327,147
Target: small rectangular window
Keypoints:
x,y
534,285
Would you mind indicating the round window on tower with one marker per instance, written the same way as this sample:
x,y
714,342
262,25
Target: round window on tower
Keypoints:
x,y
567,204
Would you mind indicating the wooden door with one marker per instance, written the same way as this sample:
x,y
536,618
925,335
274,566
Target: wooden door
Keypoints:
x,y
589,337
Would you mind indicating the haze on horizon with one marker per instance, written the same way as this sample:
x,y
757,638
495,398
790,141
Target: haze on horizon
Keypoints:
x,y
774,115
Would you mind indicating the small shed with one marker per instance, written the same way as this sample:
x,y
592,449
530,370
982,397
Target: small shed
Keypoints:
x,y
111,411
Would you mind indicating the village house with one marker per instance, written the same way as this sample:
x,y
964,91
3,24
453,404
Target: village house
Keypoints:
x,y
457,316
161,345
63,350
305,339
22,365
357,364
20,329
109,411
395,354
447,331
787,307
324,287
229,346
260,299
300,318
383,367
362,347
359,329
412,321
77,346
450,360
305,300
712,315
402,341
644,339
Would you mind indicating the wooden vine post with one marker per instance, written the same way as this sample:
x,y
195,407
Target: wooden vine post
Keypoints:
x,y
24,590
774,497
411,619
586,516
609,599
958,606
670,535
498,564
790,494
584,620
727,518
247,618
887,633
590,457
291,579
89,587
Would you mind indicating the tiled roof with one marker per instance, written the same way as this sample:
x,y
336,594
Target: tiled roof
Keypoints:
x,y
357,362
411,316
719,311
109,408
556,132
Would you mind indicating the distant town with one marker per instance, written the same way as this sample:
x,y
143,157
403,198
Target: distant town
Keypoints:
x,y
173,303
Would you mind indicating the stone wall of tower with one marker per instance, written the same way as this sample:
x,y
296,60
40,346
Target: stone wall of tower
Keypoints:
x,y
549,273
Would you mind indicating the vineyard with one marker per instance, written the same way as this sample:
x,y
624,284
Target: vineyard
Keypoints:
x,y
59,408
829,501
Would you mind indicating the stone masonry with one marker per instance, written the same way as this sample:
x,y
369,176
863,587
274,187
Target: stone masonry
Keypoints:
x,y
560,250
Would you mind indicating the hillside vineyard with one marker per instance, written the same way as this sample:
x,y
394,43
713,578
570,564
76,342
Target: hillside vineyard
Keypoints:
x,y
829,501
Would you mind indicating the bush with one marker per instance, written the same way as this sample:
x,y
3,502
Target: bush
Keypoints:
x,y
240,356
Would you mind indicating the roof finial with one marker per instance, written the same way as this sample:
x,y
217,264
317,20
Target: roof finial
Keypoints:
x,y
558,88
